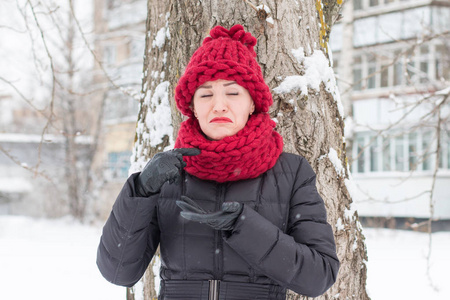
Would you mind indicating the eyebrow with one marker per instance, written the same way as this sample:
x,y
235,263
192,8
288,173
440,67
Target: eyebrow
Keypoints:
x,y
210,86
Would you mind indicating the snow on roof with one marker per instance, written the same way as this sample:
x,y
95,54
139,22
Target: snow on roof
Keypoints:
x,y
37,138
14,185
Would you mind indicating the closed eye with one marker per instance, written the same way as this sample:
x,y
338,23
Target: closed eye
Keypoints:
x,y
233,94
205,96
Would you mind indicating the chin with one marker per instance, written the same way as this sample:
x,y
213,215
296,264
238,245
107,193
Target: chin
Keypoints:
x,y
218,137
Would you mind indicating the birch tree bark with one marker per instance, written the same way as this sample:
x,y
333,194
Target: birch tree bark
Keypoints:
x,y
293,53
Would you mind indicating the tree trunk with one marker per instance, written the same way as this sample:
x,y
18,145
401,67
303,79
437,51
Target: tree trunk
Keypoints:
x,y
311,124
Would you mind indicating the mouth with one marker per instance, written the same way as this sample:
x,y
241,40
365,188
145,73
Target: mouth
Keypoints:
x,y
221,120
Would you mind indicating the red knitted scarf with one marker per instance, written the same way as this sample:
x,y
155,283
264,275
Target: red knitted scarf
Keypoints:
x,y
247,154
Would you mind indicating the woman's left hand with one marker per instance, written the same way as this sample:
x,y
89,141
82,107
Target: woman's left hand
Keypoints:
x,y
223,219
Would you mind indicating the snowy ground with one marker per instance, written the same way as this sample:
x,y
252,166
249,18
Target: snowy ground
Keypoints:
x,y
397,267
42,259
54,260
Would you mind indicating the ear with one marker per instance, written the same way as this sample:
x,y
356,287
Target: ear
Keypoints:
x,y
252,107
193,109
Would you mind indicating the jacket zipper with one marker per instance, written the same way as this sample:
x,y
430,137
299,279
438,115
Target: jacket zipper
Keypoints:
x,y
218,235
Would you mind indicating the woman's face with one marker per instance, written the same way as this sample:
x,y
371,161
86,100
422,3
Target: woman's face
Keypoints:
x,y
222,108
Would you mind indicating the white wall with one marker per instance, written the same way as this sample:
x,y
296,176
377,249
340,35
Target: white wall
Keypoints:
x,y
391,191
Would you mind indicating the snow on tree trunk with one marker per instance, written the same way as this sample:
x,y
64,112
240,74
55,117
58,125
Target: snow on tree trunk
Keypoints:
x,y
293,53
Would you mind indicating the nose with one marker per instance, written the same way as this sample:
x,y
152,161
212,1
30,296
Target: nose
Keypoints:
x,y
220,104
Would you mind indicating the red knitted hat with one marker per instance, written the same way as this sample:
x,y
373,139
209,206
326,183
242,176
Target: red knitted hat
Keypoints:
x,y
228,55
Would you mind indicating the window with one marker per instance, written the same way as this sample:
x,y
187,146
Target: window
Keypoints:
x,y
384,76
109,54
424,64
444,156
374,151
137,49
386,154
399,152
441,62
371,72
373,3
111,4
410,71
426,151
357,73
412,151
357,4
360,154
398,70
384,67
118,164
119,107
448,149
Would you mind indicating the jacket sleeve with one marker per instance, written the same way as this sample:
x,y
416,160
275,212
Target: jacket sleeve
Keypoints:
x,y
130,237
304,258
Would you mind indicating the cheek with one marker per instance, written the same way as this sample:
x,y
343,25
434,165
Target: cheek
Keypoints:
x,y
199,109
242,119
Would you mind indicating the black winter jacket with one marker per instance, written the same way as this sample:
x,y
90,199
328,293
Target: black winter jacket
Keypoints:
x,y
282,236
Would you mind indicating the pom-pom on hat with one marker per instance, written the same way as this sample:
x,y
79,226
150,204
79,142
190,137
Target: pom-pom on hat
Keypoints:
x,y
229,55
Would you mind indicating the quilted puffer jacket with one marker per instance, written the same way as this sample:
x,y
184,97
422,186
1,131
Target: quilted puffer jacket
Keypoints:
x,y
281,237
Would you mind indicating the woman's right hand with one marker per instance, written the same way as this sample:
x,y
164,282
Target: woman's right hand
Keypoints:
x,y
164,166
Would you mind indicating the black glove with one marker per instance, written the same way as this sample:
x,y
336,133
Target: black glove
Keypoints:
x,y
223,219
164,166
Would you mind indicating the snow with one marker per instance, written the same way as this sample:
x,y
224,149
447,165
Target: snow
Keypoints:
x,y
269,19
317,71
263,7
397,266
160,38
443,92
349,127
155,269
339,225
334,158
55,259
159,121
15,185
162,34
337,163
52,260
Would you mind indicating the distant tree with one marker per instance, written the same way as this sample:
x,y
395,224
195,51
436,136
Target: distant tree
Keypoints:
x,y
292,45
61,58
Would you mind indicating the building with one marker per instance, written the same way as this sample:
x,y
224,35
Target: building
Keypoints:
x,y
120,41
392,61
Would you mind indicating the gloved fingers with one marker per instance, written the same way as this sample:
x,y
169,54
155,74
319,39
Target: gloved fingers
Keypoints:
x,y
187,151
186,207
205,218
179,153
192,216
231,206
176,161
175,178
173,159
201,217
193,203
172,174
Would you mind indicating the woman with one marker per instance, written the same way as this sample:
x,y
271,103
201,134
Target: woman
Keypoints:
x,y
234,216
